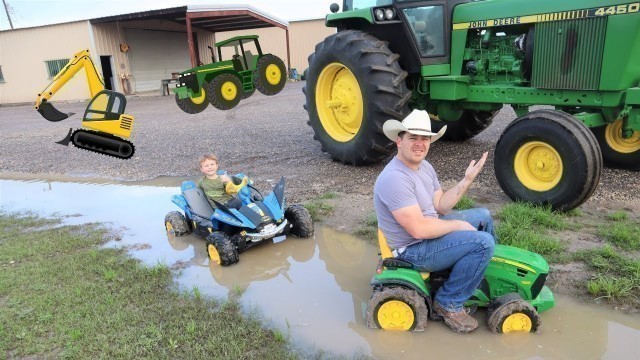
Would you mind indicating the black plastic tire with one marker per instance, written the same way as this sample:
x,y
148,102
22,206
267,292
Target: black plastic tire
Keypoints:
x,y
227,253
300,220
187,105
176,224
381,82
612,157
270,80
470,124
512,306
575,145
409,304
224,85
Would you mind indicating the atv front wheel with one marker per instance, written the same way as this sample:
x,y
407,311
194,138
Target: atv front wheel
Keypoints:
x,y
548,157
617,151
300,220
470,124
225,91
397,308
221,249
176,224
509,313
270,75
354,84
193,105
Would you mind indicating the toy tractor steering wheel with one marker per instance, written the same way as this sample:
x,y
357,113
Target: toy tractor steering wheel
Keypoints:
x,y
256,195
236,184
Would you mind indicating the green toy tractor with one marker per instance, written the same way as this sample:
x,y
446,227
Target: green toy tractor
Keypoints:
x,y
224,83
512,290
461,60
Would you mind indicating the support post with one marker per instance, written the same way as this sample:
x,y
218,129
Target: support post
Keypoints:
x,y
192,49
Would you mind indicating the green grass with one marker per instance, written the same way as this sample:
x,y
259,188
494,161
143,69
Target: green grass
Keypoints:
x,y
622,234
525,226
618,216
615,275
465,203
319,208
63,297
368,228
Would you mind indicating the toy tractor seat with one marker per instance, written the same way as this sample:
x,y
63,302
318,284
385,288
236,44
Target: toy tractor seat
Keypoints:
x,y
249,57
389,261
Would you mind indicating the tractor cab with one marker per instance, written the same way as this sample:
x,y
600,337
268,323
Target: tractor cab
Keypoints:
x,y
243,51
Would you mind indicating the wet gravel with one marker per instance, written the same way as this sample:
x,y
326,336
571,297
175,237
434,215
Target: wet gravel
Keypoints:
x,y
265,137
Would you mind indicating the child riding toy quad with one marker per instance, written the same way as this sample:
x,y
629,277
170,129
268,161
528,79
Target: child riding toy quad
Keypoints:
x,y
512,290
229,232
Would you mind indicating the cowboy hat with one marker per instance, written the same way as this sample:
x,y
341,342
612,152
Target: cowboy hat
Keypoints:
x,y
418,123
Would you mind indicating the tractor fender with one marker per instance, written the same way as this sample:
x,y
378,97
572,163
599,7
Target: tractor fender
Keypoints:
x,y
377,282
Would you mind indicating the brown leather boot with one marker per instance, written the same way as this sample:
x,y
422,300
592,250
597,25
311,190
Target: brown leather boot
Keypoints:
x,y
459,321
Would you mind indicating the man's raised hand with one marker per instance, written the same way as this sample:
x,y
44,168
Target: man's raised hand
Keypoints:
x,y
474,168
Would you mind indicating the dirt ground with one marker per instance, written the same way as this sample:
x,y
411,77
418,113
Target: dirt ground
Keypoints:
x,y
266,138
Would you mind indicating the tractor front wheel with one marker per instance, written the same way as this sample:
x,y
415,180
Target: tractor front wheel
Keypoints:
x,y
193,105
354,84
176,224
300,220
470,124
221,249
270,75
548,157
397,308
509,313
225,91
617,151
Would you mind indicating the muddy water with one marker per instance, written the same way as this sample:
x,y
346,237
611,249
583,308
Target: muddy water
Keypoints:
x,y
315,289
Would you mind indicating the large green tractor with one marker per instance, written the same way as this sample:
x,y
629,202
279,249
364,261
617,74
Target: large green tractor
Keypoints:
x,y
224,83
462,60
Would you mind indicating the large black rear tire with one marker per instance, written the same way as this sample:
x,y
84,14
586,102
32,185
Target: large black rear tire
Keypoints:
x,y
548,157
224,91
193,105
617,151
354,83
470,124
270,75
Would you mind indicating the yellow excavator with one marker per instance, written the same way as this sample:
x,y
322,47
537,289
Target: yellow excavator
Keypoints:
x,y
105,126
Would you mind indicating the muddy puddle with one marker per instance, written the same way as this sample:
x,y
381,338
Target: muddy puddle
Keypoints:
x,y
314,290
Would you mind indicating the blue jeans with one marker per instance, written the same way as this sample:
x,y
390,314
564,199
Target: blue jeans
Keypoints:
x,y
466,253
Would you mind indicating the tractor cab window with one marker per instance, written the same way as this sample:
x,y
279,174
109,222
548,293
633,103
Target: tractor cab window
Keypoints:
x,y
427,25
243,53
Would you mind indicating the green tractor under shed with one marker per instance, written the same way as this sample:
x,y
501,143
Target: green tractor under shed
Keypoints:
x,y
224,83
462,60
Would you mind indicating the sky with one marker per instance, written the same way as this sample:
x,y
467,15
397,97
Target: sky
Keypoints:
x,y
28,13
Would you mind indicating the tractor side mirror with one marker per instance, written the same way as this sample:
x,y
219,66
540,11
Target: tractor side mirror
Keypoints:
x,y
334,8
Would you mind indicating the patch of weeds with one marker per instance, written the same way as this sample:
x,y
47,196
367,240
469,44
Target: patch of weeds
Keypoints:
x,y
238,290
616,276
318,209
530,216
328,195
618,216
622,234
575,212
465,203
525,226
368,228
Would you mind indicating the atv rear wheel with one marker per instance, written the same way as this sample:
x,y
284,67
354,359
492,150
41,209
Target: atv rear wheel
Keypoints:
x,y
548,157
470,124
617,151
509,313
221,249
193,105
300,220
354,84
270,75
397,308
224,91
176,224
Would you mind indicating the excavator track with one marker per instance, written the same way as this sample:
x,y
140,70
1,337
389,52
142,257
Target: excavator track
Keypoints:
x,y
102,143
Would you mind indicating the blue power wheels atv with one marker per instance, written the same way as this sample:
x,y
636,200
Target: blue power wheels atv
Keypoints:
x,y
230,231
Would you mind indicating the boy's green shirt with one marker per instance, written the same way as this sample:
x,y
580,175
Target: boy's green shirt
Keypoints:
x,y
214,190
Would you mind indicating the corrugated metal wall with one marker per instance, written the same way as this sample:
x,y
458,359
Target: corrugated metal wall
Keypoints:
x,y
23,54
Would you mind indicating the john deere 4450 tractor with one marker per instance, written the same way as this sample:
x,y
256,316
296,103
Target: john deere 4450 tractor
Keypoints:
x,y
461,60
224,82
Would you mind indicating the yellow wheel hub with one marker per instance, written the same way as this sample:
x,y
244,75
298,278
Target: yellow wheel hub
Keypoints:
x,y
395,315
538,166
273,74
169,227
229,90
339,102
200,99
213,254
517,322
613,136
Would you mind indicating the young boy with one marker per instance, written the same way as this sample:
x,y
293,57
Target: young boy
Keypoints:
x,y
215,186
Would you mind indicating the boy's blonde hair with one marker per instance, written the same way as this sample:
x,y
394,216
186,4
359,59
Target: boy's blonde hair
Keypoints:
x,y
206,157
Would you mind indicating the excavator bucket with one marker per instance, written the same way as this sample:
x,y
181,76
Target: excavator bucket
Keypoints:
x,y
50,113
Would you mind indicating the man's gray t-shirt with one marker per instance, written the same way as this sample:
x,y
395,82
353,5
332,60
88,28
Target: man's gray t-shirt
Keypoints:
x,y
399,186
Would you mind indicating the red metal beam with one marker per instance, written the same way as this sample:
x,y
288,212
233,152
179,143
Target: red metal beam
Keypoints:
x,y
192,49
204,14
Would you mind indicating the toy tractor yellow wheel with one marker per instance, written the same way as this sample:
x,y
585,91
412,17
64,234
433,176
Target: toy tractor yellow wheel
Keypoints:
x,y
397,308
354,83
193,105
176,224
270,75
510,313
617,151
225,91
221,249
548,157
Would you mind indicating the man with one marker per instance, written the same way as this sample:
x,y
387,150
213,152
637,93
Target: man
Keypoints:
x,y
415,216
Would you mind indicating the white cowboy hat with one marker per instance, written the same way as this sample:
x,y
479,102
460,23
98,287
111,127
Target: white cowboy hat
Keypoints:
x,y
418,123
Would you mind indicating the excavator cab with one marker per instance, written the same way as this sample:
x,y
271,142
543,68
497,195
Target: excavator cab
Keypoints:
x,y
105,113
